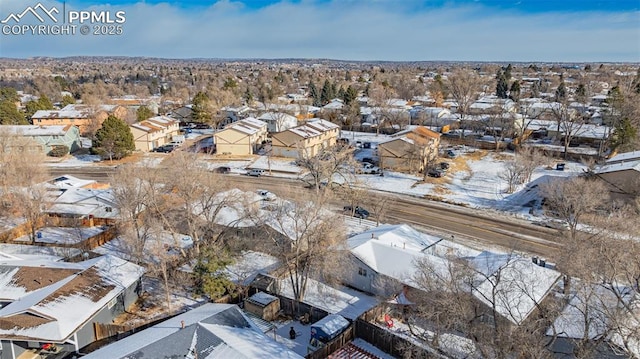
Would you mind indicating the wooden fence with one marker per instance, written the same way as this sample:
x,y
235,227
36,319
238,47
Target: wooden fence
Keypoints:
x,y
104,330
388,342
334,344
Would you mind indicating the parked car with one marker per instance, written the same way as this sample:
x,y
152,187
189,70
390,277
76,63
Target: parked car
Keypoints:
x,y
444,165
165,148
266,195
436,172
369,169
255,172
359,212
451,154
370,160
223,169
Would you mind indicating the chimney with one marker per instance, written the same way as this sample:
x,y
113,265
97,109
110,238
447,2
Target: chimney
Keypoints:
x,y
182,324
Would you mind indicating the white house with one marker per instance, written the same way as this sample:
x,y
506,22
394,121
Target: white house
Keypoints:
x,y
278,121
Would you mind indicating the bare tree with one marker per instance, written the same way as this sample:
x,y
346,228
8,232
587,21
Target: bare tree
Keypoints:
x,y
569,124
329,164
464,86
307,240
573,198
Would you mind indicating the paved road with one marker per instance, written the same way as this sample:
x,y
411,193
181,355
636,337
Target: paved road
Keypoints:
x,y
478,228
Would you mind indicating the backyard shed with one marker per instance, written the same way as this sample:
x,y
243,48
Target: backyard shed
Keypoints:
x,y
263,305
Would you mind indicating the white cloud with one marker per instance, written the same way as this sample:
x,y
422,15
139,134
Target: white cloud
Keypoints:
x,y
344,29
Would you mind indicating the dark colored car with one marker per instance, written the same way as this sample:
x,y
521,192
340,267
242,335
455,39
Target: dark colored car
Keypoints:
x,y
370,160
444,166
359,212
165,148
451,154
436,172
223,169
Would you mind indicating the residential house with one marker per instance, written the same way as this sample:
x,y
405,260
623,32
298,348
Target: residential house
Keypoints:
x,y
431,116
46,138
621,173
410,150
50,306
182,114
305,140
71,197
233,114
278,121
134,102
243,137
86,118
209,331
492,105
384,258
154,132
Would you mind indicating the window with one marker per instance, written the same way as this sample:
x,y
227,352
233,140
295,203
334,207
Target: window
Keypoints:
x,y
362,272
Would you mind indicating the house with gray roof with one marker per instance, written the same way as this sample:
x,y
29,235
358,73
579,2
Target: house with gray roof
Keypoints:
x,y
209,331
46,138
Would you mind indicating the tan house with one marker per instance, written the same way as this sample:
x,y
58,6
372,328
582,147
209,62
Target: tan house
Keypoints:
x,y
307,139
410,150
154,132
243,137
621,173
87,118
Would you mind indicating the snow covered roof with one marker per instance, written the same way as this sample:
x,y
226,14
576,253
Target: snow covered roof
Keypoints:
x,y
51,301
210,331
246,267
623,157
262,298
515,287
157,123
277,116
249,126
80,201
619,166
37,131
399,235
347,302
331,324
398,263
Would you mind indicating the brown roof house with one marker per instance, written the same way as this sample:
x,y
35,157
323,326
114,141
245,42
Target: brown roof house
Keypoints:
x,y
87,118
306,140
243,137
53,307
409,150
154,132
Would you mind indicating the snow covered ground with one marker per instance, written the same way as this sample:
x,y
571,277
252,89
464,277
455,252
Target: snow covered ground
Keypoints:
x,y
472,181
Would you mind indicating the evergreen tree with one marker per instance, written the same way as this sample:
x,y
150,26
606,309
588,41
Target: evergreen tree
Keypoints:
x,y
314,94
581,91
248,97
208,274
200,107
68,100
561,92
143,113
514,91
535,89
350,95
229,84
114,139
341,93
43,103
334,91
507,72
9,114
501,86
624,135
10,94
325,95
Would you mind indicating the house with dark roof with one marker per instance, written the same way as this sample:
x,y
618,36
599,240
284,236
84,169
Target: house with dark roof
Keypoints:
x,y
209,331
49,306
621,173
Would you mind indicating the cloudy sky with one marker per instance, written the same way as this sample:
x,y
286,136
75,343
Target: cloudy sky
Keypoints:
x,y
396,30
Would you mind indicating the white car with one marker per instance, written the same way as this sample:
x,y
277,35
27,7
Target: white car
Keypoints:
x,y
368,168
266,195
